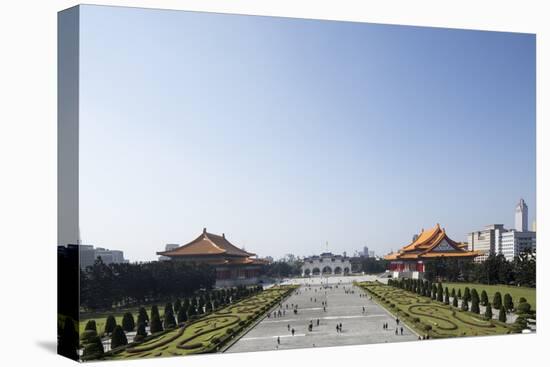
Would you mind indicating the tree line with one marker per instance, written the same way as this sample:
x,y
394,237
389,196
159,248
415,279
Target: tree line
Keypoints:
x,y
119,285
495,270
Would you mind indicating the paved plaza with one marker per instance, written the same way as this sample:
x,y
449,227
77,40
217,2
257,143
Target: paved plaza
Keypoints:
x,y
344,305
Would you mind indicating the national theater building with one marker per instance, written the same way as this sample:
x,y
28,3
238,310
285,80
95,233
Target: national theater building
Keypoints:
x,y
410,261
233,265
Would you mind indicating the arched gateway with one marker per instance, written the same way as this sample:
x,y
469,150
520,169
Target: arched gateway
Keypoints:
x,y
326,264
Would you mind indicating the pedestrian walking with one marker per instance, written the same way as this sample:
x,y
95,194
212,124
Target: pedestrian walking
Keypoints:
x,y
401,330
278,340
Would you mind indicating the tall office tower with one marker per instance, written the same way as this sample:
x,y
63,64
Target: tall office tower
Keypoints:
x,y
521,216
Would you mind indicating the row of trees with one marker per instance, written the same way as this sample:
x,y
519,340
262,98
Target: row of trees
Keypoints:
x,y
470,300
495,270
104,286
287,266
371,265
174,314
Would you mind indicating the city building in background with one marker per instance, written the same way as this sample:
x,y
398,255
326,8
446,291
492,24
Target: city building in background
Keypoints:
x,y
495,239
410,261
521,216
89,254
233,265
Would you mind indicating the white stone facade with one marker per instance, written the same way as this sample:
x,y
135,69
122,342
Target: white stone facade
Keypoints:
x,y
326,264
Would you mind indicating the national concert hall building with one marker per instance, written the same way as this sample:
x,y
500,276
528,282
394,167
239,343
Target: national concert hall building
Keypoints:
x,y
234,266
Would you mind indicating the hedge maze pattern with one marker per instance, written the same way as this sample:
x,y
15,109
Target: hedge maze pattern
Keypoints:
x,y
209,333
429,317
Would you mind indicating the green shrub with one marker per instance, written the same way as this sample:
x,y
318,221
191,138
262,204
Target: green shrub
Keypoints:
x,y
110,324
93,349
508,302
142,316
497,300
229,331
524,308
484,299
155,324
87,335
464,305
169,320
455,302
91,325
502,314
128,323
155,311
119,338
475,305
489,311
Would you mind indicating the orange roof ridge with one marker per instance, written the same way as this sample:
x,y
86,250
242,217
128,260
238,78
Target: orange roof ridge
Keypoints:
x,y
207,244
426,242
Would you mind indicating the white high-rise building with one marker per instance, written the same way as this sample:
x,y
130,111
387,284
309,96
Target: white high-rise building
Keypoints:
x,y
521,216
495,239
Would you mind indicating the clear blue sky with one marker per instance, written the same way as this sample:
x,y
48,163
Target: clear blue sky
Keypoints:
x,y
287,133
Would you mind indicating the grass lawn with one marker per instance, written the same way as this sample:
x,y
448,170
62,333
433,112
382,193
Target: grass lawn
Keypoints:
x,y
209,332
101,318
529,294
426,316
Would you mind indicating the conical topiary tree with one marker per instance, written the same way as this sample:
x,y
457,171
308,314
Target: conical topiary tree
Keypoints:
x,y
182,315
502,314
467,294
446,296
177,305
524,308
142,316
93,349
459,294
475,305
68,339
154,312
168,308
169,320
453,293
110,324
464,305
474,294
119,338
508,303
455,302
484,299
91,325
140,333
489,311
439,296
155,325
497,300
128,323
